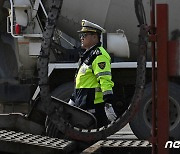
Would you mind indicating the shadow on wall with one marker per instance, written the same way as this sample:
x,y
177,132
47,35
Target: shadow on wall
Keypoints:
x,y
175,34
8,62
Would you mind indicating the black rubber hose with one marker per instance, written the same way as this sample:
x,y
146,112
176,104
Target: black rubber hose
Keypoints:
x,y
140,12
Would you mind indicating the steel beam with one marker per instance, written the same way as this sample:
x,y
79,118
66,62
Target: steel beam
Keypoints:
x,y
154,103
162,78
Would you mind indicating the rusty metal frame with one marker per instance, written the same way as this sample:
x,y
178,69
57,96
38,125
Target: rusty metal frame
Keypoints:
x,y
153,57
162,78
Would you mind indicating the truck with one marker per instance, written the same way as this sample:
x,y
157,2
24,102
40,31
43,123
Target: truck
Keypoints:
x,y
31,40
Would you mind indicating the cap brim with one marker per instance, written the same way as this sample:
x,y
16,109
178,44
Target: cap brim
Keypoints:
x,y
85,29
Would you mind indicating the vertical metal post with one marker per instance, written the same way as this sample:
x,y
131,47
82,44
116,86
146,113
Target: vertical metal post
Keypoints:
x,y
162,78
153,32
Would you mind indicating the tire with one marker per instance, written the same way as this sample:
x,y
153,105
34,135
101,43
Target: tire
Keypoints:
x,y
62,92
141,123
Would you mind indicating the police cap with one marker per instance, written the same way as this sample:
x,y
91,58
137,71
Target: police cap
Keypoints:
x,y
88,26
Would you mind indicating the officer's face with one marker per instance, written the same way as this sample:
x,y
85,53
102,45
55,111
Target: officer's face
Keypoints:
x,y
88,40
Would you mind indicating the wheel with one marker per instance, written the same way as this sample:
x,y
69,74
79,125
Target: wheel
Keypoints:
x,y
141,123
62,92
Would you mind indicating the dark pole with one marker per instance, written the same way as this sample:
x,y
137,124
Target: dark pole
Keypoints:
x,y
153,52
162,78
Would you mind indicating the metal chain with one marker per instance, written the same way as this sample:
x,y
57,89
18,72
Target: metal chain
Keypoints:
x,y
71,132
43,59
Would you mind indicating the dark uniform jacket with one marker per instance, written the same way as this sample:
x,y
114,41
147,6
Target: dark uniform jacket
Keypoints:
x,y
93,84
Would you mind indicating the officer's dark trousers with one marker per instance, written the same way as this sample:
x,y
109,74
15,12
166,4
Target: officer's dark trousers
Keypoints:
x,y
100,115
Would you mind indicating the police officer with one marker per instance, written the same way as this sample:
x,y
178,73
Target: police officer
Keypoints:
x,y
93,84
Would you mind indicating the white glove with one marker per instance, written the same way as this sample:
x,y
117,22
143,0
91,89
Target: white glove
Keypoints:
x,y
71,102
111,115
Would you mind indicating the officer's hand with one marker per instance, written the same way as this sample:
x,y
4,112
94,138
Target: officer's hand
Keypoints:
x,y
71,102
111,115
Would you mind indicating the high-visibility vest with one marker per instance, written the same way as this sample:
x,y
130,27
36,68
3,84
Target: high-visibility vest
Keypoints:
x,y
95,73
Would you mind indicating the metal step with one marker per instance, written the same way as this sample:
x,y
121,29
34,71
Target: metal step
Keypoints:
x,y
119,146
22,143
124,146
123,135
